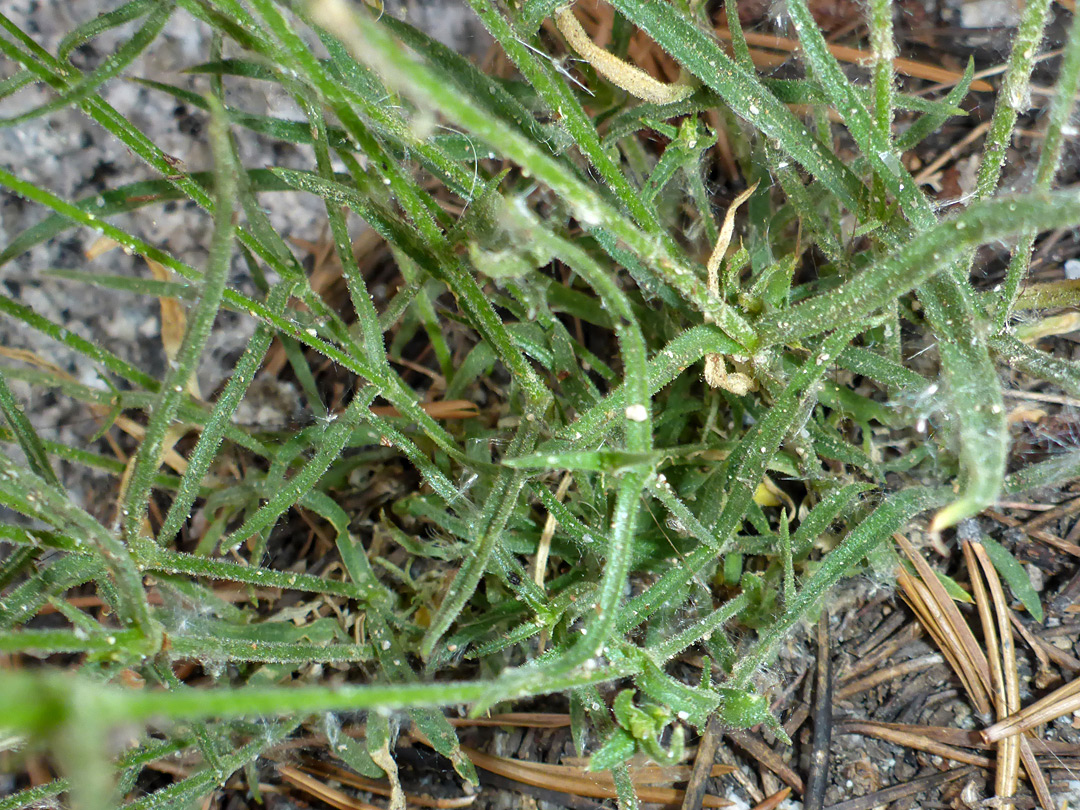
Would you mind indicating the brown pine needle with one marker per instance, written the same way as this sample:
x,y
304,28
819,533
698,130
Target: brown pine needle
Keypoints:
x,y
916,738
313,787
858,56
944,634
382,788
1062,701
576,781
964,738
1002,656
1034,773
996,670
965,649
515,719
773,801
443,409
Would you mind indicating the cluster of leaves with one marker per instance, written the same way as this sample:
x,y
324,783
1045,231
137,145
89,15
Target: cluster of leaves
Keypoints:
x,y
600,456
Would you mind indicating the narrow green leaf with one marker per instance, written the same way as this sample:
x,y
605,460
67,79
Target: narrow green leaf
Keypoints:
x,y
200,323
1014,574
27,437
610,461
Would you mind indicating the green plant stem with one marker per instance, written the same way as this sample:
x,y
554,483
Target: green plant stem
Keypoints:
x,y
1014,96
1061,108
187,358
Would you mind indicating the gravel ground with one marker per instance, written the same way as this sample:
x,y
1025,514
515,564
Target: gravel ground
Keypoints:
x,y
70,155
